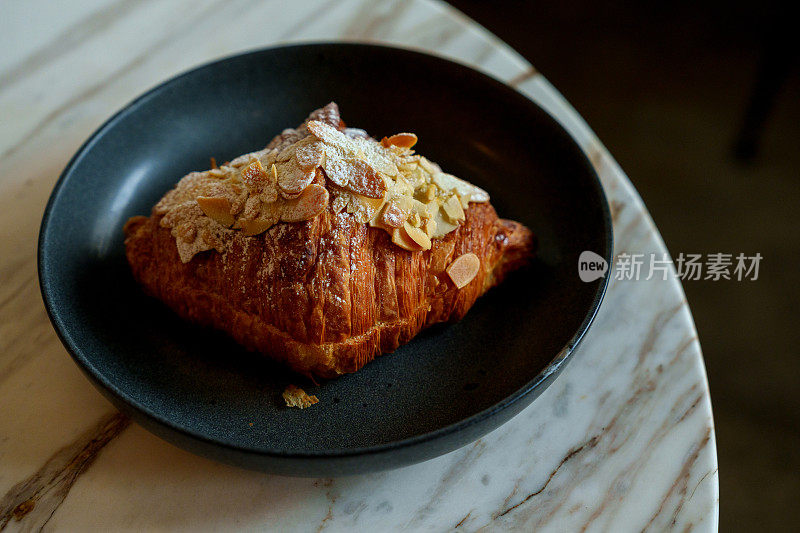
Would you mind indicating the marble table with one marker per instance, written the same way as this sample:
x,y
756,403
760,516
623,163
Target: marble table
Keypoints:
x,y
622,441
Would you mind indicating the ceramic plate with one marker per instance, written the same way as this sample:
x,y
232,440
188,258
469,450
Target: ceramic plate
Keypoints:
x,y
450,385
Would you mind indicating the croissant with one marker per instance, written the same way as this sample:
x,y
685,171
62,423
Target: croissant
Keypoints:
x,y
325,249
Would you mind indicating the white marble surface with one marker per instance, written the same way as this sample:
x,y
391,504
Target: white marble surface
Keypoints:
x,y
622,441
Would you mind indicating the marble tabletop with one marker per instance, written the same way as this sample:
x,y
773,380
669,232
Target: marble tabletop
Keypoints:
x,y
622,441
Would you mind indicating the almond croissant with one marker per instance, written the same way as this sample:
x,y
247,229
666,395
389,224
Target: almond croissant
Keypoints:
x,y
326,248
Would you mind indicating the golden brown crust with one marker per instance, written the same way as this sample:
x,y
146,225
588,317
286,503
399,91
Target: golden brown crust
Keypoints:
x,y
328,295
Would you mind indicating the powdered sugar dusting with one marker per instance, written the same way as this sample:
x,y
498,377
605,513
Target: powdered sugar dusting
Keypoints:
x,y
301,172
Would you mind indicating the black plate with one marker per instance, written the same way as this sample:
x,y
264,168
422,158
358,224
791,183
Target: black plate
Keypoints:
x,y
452,384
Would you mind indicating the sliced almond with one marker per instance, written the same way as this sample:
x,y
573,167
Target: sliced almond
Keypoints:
x,y
402,140
407,166
186,232
464,269
381,164
368,207
337,170
309,157
418,236
240,161
430,168
312,201
431,209
448,182
407,203
426,193
416,207
393,215
402,187
259,219
373,203
376,222
270,192
296,397
292,180
401,238
328,134
340,202
210,238
367,150
216,208
429,227
287,153
443,225
355,175
252,208
255,227
364,180
453,210
464,199
255,177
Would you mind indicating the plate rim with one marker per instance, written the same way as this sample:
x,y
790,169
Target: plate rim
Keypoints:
x,y
116,396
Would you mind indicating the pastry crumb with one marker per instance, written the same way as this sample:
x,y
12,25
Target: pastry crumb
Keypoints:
x,y
297,397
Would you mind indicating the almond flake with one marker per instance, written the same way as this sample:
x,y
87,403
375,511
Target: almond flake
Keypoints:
x,y
259,218
364,180
429,226
393,215
328,134
309,157
448,182
270,192
402,140
464,269
312,201
340,202
443,226
255,177
187,232
297,397
255,227
429,167
367,207
292,179
337,170
453,210
427,193
401,238
418,236
217,209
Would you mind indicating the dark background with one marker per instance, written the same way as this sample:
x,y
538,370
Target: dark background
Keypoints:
x,y
700,105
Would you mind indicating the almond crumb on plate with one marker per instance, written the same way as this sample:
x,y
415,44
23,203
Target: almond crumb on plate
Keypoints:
x,y
297,397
